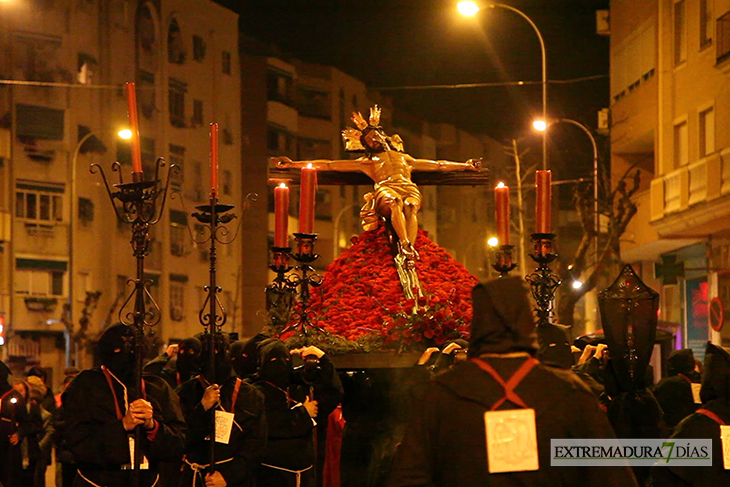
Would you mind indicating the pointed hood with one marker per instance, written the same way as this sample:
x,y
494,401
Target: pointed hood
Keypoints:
x,y
716,377
503,321
275,363
554,346
681,362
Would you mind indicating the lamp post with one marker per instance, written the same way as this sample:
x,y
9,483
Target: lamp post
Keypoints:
x,y
469,8
542,126
123,134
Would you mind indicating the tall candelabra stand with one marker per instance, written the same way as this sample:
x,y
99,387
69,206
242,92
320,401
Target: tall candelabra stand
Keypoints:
x,y
543,282
140,203
212,314
293,284
503,260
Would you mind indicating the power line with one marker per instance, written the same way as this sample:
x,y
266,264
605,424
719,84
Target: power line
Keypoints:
x,y
491,85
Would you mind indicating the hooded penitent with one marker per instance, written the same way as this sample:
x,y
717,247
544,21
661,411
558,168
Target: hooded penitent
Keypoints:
x,y
244,355
188,358
503,320
682,362
116,352
554,346
275,363
222,361
716,377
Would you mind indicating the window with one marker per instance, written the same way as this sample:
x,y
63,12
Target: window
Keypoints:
x,y
177,296
42,278
707,132
146,94
723,37
178,232
86,210
177,102
681,146
226,62
680,33
200,233
279,87
36,122
197,113
87,68
198,48
148,153
314,103
42,204
227,182
175,44
199,194
177,156
279,141
705,24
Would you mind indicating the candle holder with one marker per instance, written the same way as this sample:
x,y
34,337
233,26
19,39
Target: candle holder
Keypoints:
x,y
298,283
503,260
280,293
543,281
142,204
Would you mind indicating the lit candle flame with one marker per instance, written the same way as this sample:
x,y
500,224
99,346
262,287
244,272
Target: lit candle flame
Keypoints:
x,y
282,185
500,185
309,166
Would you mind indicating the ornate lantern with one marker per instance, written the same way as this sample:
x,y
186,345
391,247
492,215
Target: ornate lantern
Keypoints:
x,y
629,316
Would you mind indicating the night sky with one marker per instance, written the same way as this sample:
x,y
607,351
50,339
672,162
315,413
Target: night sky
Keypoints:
x,y
390,43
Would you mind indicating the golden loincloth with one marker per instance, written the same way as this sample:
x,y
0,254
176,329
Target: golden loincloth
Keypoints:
x,y
382,195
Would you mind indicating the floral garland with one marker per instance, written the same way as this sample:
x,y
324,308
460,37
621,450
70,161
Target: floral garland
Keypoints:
x,y
362,301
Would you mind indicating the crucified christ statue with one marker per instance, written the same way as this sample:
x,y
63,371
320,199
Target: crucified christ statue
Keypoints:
x,y
395,196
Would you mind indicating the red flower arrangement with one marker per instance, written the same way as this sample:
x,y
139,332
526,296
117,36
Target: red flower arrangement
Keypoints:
x,y
362,298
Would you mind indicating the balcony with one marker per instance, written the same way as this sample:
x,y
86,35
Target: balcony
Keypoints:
x,y
693,200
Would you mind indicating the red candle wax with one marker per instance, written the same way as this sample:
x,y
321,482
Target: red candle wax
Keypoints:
x,y
306,199
134,126
543,181
214,160
501,212
281,214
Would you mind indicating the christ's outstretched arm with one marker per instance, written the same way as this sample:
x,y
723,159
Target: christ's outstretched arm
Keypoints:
x,y
343,165
444,166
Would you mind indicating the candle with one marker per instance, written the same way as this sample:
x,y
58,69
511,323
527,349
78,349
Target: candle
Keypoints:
x,y
214,160
501,212
543,180
134,126
281,213
306,199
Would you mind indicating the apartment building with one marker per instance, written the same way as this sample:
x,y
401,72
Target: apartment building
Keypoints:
x,y
670,62
61,242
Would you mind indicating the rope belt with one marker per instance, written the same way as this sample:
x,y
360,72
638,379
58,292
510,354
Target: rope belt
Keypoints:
x,y
78,471
197,468
298,473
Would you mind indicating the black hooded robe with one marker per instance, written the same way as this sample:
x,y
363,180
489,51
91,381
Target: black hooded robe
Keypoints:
x,y
98,439
674,393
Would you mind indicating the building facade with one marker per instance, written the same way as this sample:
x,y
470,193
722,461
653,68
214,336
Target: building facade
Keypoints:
x,y
670,62
61,243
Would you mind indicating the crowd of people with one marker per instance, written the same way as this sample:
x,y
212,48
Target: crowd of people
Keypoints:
x,y
278,413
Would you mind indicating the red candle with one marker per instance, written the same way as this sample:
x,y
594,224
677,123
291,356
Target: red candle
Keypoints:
x,y
306,199
501,212
134,126
281,213
214,160
543,181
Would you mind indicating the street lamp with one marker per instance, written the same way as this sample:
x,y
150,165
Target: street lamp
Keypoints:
x,y
470,9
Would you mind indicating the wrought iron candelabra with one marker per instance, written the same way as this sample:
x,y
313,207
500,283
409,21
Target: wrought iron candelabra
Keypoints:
x,y
503,260
291,286
140,203
543,281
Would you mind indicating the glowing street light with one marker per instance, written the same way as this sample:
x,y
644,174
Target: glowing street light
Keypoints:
x,y
470,9
125,134
493,241
540,125
577,284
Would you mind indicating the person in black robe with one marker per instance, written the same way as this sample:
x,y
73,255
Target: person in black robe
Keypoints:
x,y
245,357
674,393
101,413
289,458
218,389
180,367
317,379
704,423
14,428
445,442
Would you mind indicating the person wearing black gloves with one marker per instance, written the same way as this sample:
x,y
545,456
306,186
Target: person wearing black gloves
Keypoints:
x,y
289,458
241,437
101,413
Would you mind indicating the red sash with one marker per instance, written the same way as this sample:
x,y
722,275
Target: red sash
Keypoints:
x,y
511,384
711,415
